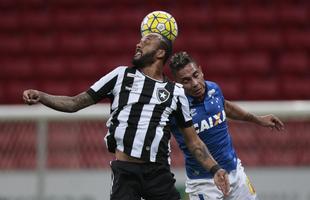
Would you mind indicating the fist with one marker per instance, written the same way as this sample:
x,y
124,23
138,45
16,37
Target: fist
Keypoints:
x,y
31,96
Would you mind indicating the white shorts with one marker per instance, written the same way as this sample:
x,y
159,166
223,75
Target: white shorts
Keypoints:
x,y
205,189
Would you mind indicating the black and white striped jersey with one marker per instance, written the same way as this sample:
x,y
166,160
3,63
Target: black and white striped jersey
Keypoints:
x,y
140,112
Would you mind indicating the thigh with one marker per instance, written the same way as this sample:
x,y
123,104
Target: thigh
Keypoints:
x,y
125,182
160,184
241,186
203,189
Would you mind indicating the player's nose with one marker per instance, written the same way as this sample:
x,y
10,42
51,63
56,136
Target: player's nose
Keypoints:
x,y
139,45
194,83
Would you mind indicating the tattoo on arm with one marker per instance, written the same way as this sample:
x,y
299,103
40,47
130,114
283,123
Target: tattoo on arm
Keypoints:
x,y
83,100
66,103
203,156
249,117
201,153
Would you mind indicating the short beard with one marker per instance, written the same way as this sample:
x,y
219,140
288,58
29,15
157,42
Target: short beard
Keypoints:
x,y
144,60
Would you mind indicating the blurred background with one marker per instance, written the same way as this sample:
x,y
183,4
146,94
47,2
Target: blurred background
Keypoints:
x,y
256,50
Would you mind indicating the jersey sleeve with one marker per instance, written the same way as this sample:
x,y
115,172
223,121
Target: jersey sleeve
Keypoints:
x,y
182,113
104,87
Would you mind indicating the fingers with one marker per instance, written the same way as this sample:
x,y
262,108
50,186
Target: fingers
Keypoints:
x,y
226,185
222,182
272,122
278,124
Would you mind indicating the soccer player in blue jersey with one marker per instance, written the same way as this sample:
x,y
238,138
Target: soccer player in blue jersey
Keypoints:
x,y
209,110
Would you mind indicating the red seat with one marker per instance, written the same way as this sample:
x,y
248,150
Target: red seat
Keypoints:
x,y
249,157
83,67
69,20
199,42
9,21
254,63
57,87
265,40
294,62
261,15
229,40
79,86
229,15
2,93
12,44
30,4
201,15
51,68
293,14
275,157
102,20
76,44
106,44
295,87
261,89
218,64
16,69
38,44
14,90
297,39
231,88
38,20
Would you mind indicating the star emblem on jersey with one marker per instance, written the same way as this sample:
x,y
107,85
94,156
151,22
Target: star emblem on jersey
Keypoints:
x,y
162,95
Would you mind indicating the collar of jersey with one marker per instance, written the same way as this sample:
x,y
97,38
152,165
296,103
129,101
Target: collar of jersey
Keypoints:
x,y
160,81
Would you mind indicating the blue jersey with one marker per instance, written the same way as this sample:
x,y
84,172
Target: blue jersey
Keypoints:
x,y
209,120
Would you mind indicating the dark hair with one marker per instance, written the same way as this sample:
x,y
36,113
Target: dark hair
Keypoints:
x,y
180,60
166,44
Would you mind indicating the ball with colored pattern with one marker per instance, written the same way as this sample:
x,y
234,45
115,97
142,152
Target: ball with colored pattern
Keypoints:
x,y
160,22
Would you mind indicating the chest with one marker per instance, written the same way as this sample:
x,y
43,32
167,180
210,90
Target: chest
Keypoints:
x,y
143,90
208,114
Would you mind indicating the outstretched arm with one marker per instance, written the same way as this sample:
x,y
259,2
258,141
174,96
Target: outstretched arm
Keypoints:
x,y
60,103
200,151
233,111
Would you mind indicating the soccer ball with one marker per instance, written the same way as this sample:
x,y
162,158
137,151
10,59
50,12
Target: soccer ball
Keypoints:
x,y
160,22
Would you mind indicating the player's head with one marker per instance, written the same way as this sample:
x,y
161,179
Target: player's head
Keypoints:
x,y
186,71
152,47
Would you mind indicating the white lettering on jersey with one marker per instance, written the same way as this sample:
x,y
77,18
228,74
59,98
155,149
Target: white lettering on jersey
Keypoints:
x,y
193,112
210,122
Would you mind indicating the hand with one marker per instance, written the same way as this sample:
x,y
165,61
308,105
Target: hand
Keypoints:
x,y
31,96
221,181
271,121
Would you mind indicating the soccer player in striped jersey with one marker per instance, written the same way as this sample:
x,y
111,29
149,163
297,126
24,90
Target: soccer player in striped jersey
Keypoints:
x,y
143,101
209,110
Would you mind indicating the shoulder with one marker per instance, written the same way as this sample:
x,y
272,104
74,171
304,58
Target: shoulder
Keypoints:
x,y
212,84
121,68
117,71
178,85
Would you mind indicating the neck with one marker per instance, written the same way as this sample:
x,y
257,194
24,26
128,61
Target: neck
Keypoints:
x,y
201,98
154,71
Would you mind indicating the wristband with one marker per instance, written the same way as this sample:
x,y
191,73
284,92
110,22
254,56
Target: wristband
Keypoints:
x,y
214,169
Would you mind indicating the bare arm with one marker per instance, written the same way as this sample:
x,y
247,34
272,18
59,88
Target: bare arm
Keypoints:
x,y
200,151
235,112
60,103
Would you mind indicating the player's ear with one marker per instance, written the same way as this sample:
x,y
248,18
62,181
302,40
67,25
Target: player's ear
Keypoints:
x,y
199,67
160,53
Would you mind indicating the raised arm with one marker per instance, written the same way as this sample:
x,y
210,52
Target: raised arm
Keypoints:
x,y
200,151
60,103
233,111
